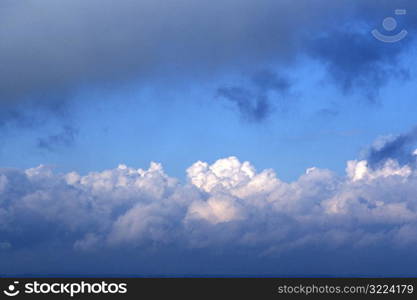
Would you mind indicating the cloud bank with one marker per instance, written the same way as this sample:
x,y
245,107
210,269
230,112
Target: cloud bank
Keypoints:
x,y
225,207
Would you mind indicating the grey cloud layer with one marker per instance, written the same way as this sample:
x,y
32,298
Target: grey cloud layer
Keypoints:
x,y
50,48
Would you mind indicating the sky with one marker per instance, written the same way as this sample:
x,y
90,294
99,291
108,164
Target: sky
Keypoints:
x,y
187,137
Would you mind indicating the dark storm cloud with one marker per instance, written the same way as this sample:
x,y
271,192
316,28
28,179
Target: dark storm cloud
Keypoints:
x,y
55,47
49,46
256,104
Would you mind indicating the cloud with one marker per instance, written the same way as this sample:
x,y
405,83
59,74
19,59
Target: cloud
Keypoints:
x,y
223,206
393,147
50,50
355,61
255,104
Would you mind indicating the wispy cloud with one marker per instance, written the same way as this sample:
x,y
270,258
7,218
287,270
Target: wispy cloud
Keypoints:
x,y
256,103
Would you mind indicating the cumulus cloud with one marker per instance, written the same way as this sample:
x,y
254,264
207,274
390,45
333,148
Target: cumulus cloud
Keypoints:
x,y
227,204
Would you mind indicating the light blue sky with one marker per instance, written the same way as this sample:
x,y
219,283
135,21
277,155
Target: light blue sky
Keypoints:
x,y
316,124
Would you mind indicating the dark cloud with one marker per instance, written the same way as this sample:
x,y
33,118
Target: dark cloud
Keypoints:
x,y
32,114
49,47
257,103
358,61
399,148
254,108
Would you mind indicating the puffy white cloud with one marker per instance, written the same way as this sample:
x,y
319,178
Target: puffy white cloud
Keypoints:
x,y
226,173
217,209
223,204
359,170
